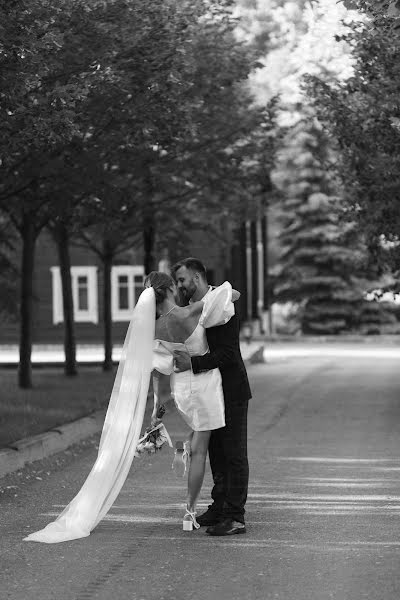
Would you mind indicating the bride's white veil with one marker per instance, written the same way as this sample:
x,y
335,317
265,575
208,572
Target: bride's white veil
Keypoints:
x,y
120,435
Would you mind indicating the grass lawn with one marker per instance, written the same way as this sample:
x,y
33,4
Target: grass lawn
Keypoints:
x,y
54,400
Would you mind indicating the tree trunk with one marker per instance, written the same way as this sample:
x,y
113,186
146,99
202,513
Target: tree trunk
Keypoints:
x,y
148,246
28,235
107,316
62,240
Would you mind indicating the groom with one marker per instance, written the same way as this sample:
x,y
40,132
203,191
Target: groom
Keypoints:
x,y
228,446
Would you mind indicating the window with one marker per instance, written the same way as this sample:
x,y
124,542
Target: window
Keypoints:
x,y
126,285
123,292
84,293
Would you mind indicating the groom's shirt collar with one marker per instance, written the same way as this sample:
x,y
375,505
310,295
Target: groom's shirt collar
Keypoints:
x,y
210,288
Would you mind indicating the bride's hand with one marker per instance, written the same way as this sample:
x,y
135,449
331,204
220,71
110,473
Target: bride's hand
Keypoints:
x,y
154,421
235,295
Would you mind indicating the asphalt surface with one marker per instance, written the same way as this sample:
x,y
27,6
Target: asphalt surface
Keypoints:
x,y
323,513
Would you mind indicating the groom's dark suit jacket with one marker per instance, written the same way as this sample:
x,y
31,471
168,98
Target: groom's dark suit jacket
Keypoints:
x,y
225,355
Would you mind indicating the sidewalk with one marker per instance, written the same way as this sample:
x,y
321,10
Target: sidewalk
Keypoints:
x,y
56,440
53,355
275,347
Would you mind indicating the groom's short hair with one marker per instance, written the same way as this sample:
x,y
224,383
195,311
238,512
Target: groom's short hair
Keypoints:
x,y
194,264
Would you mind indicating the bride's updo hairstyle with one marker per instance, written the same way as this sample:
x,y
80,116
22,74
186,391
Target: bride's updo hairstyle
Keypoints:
x,y
161,283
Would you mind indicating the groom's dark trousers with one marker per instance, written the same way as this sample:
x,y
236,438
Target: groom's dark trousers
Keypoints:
x,y
228,446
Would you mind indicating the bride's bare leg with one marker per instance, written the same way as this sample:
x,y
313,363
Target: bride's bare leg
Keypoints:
x,y
199,447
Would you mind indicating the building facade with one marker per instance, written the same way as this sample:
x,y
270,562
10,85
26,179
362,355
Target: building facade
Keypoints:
x,y
244,263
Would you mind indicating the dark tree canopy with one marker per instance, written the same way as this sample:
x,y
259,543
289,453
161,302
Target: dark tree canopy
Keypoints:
x,y
363,116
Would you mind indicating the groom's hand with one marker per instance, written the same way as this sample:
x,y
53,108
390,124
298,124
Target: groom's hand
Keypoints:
x,y
182,361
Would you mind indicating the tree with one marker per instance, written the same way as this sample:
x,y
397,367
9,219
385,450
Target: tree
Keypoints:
x,y
384,13
320,258
62,226
362,114
45,81
111,229
151,90
298,41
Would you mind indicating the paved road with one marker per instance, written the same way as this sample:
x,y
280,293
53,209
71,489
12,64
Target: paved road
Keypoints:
x,y
323,510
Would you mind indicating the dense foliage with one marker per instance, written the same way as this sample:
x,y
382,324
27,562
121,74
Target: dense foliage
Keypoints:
x,y
123,120
363,115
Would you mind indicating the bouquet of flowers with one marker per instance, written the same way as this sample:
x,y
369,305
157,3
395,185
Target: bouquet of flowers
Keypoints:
x,y
154,437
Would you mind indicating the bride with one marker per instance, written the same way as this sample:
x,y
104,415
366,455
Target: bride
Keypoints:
x,y
199,399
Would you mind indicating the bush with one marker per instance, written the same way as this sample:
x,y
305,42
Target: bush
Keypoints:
x,y
379,318
286,318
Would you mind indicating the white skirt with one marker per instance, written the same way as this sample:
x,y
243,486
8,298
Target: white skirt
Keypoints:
x,y
199,399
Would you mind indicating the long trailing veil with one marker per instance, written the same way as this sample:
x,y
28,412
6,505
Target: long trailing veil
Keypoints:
x,y
120,434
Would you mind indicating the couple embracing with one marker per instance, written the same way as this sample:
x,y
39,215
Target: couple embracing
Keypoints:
x,y
198,347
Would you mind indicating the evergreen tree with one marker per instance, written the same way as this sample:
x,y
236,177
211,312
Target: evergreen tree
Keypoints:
x,y
320,259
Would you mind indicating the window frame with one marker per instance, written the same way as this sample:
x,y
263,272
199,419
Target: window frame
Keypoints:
x,y
131,271
91,315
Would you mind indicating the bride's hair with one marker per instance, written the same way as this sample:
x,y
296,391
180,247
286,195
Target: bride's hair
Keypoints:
x,y
161,283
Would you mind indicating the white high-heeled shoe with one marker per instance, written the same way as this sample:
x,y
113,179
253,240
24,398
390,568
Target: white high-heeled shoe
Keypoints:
x,y
189,521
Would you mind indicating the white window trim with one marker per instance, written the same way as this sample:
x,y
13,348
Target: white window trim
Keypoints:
x,y
130,272
91,315
57,301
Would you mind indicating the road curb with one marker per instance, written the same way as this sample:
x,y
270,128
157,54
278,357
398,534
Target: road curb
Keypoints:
x,y
42,445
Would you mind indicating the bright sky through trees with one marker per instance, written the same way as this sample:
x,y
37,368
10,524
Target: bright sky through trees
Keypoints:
x,y
300,40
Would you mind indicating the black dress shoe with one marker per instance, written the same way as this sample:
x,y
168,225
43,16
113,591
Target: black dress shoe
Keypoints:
x,y
210,517
227,527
